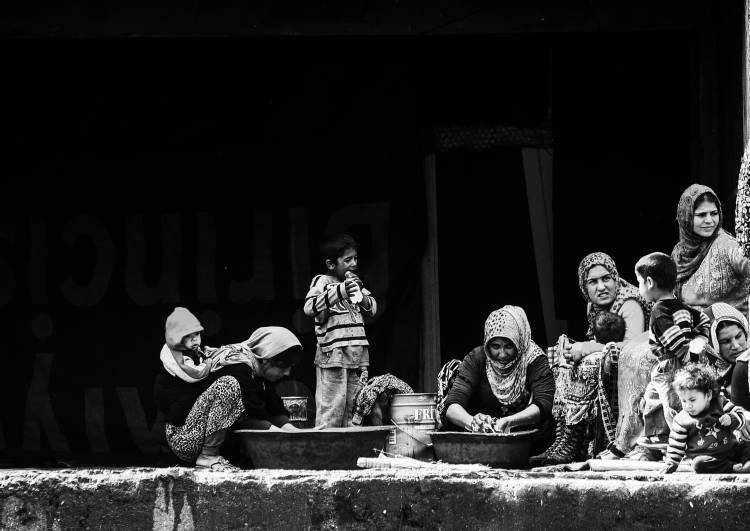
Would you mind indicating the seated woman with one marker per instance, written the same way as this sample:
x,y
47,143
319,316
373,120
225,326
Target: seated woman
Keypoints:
x,y
729,341
505,383
577,407
202,392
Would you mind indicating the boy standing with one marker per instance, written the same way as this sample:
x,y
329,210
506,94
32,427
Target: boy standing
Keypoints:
x,y
337,300
677,334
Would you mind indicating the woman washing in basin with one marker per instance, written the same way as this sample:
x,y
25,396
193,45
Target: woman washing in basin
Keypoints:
x,y
203,391
505,383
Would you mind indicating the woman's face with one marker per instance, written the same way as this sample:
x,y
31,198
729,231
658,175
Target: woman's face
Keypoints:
x,y
705,219
601,286
501,349
272,373
732,342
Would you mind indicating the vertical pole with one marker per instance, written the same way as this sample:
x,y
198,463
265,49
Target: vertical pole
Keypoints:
x,y
430,360
745,73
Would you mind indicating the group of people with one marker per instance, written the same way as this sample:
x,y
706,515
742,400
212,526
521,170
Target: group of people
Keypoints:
x,y
662,372
203,391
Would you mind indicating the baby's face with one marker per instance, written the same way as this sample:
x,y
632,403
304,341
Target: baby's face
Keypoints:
x,y
192,341
694,401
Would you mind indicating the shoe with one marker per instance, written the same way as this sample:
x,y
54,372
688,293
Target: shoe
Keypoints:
x,y
644,454
541,459
570,445
609,455
656,442
215,464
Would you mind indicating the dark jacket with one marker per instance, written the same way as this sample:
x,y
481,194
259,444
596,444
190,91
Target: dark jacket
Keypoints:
x,y
175,397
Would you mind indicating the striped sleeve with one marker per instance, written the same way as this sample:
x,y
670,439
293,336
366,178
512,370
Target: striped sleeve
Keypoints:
x,y
372,308
673,332
677,442
703,325
735,413
321,296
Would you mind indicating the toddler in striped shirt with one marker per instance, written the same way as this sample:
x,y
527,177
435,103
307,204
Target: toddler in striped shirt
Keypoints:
x,y
704,429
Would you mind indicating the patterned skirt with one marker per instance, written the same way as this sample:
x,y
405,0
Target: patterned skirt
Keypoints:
x,y
217,408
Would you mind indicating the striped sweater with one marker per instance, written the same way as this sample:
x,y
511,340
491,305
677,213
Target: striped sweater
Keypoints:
x,y
704,435
338,322
673,325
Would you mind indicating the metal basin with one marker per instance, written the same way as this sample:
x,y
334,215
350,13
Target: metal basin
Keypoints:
x,y
501,451
333,448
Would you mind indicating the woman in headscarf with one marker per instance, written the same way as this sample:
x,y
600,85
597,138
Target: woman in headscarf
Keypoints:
x,y
581,402
203,391
505,383
728,336
711,266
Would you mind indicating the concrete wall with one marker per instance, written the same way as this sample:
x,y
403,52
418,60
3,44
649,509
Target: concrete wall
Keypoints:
x,y
181,499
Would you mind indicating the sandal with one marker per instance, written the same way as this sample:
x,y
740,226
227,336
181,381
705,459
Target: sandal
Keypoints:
x,y
653,442
220,464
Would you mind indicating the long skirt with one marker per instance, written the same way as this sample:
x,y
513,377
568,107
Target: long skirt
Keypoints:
x,y
636,364
217,408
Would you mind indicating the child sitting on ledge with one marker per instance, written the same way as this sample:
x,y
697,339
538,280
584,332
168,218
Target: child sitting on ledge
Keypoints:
x,y
704,429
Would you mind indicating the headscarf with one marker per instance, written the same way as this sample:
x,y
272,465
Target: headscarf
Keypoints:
x,y
508,380
365,398
625,290
264,343
718,313
690,251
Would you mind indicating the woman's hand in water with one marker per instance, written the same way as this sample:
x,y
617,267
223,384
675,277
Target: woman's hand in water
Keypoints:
x,y
503,425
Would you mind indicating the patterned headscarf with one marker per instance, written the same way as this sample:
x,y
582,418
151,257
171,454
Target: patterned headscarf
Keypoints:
x,y
692,248
720,312
625,290
508,380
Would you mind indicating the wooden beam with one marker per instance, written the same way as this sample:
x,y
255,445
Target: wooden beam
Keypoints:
x,y
430,359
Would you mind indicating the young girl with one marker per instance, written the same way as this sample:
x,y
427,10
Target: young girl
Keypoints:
x,y
704,429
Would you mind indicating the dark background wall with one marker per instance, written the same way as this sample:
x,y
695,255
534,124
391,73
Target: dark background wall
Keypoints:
x,y
145,172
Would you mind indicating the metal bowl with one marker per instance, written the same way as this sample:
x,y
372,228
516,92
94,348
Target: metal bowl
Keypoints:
x,y
493,449
333,448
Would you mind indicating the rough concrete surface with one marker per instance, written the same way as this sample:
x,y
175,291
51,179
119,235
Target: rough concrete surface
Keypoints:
x,y
183,499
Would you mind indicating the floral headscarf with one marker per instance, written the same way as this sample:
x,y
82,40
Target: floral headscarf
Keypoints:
x,y
508,380
625,290
692,249
720,312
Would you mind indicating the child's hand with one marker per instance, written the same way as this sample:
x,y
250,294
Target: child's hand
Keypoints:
x,y
351,287
725,420
573,353
669,468
355,278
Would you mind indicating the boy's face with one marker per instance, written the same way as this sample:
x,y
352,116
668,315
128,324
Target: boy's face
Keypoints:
x,y
644,287
192,341
694,401
732,342
345,262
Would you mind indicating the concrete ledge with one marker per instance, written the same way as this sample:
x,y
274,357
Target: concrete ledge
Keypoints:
x,y
181,498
